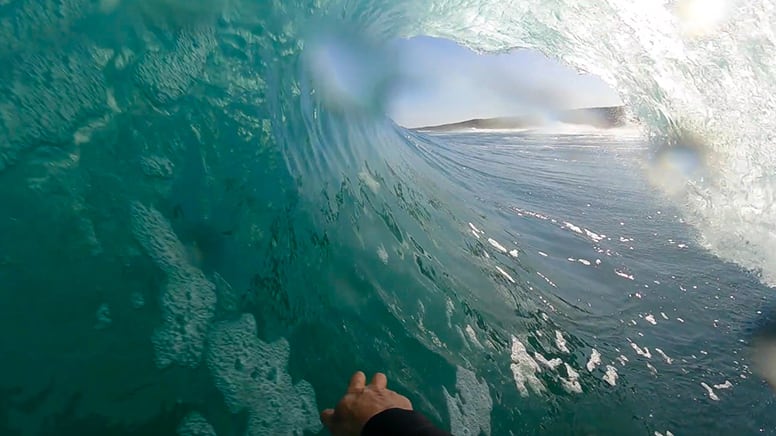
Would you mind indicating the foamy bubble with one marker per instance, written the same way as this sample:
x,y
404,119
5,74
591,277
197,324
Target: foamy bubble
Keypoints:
x,y
572,227
137,300
560,342
188,305
611,375
471,407
571,382
366,177
103,317
524,369
549,364
664,356
549,282
382,254
594,361
252,377
641,352
710,391
188,300
195,424
594,236
504,273
623,274
726,385
472,335
496,245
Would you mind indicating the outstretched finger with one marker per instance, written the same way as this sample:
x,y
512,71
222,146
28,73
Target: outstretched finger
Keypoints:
x,y
379,381
357,382
327,418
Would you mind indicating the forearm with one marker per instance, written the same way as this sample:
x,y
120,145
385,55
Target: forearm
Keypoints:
x,y
400,422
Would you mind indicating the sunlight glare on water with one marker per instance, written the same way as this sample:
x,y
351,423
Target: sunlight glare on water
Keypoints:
x,y
701,17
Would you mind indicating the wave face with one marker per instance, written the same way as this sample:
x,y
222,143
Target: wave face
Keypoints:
x,y
204,199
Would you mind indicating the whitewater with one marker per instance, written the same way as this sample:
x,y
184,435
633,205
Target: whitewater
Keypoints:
x,y
208,222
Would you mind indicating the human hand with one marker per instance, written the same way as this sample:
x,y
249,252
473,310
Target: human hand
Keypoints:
x,y
361,403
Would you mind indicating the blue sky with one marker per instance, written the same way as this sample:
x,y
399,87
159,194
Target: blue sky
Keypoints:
x,y
444,82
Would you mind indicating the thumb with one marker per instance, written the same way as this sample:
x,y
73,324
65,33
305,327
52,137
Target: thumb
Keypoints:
x,y
327,418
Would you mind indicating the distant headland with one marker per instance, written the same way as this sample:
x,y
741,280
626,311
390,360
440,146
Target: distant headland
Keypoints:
x,y
600,117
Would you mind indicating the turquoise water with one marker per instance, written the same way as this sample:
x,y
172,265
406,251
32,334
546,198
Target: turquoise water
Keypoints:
x,y
204,231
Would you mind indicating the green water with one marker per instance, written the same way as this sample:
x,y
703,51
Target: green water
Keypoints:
x,y
194,237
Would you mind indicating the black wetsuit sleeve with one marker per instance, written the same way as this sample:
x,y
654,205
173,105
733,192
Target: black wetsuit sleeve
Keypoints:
x,y
400,422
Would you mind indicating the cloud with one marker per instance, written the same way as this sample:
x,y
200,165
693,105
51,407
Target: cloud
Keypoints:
x,y
443,82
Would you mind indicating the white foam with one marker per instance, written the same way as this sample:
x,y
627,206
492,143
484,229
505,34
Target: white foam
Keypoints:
x,y
571,383
543,254
611,375
470,408
622,359
513,253
195,424
595,237
584,262
368,180
546,279
623,274
650,319
549,364
382,254
188,300
726,385
524,369
473,336
641,352
572,227
496,245
664,315
156,236
664,356
594,361
651,368
710,391
504,273
560,342
252,377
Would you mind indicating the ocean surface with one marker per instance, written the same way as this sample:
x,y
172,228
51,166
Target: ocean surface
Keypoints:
x,y
207,223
